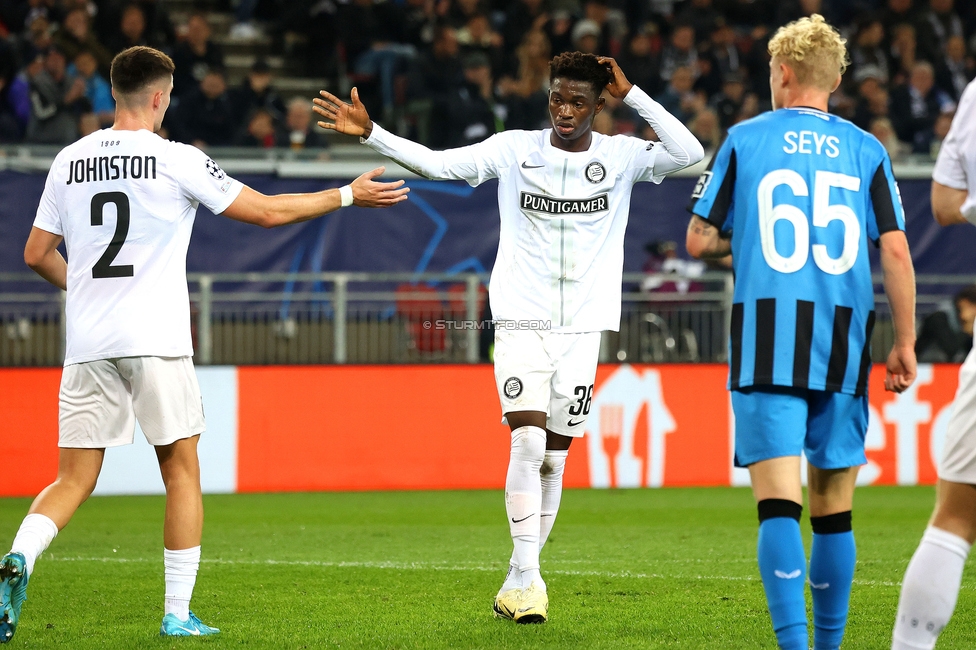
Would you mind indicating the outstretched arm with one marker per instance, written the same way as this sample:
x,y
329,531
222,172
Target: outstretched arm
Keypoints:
x,y
251,206
899,283
352,119
43,256
681,147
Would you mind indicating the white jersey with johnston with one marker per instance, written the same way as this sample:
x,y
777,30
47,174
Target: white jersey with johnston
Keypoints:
x,y
956,165
563,214
125,202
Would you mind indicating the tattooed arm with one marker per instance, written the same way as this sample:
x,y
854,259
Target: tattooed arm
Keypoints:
x,y
704,241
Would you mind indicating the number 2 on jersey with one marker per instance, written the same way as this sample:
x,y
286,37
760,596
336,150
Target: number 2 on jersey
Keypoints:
x,y
823,213
103,267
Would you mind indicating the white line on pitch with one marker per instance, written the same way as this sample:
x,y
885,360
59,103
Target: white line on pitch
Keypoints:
x,y
426,566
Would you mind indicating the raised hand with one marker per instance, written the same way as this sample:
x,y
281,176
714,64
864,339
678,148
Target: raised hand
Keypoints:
x,y
350,119
618,86
367,193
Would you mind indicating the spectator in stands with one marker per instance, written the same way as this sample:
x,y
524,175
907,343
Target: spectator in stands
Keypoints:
x,y
641,60
35,41
76,35
701,15
206,116
97,90
954,69
790,10
728,103
723,51
897,12
586,37
15,106
559,31
257,91
521,17
705,126
467,115
460,11
259,132
939,132
872,98
419,23
131,30
884,131
526,96
903,54
55,100
680,52
438,71
916,105
940,23
678,97
867,49
598,12
478,36
196,55
299,131
944,337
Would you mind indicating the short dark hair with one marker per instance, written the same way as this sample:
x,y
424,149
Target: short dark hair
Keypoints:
x,y
967,293
578,66
137,67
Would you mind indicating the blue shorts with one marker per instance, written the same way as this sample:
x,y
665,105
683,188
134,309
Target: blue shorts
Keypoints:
x,y
775,421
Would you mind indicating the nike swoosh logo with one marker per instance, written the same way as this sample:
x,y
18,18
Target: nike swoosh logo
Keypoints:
x,y
823,585
526,165
573,424
787,576
547,515
518,521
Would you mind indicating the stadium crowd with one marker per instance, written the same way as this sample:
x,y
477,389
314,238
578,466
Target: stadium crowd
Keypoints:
x,y
452,72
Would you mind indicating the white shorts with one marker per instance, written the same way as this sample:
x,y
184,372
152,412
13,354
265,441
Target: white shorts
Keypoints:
x,y
551,372
100,401
959,452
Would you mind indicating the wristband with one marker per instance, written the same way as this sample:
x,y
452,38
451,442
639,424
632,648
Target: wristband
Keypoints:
x,y
345,194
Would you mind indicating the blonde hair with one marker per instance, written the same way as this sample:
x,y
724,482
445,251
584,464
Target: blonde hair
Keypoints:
x,y
814,50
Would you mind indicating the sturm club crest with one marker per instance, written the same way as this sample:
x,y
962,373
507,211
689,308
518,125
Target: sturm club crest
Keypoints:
x,y
595,172
214,169
512,387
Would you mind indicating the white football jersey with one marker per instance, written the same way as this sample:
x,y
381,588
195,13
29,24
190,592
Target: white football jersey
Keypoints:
x,y
563,215
956,165
125,202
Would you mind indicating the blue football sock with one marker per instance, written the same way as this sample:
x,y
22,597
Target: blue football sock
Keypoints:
x,y
782,565
832,561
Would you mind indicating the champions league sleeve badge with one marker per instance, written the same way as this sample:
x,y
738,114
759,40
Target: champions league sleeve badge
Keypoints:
x,y
214,169
595,172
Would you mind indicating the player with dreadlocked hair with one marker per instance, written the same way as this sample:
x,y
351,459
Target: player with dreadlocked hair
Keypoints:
x,y
564,200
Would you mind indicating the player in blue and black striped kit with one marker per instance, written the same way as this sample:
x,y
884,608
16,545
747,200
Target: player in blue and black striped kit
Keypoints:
x,y
797,196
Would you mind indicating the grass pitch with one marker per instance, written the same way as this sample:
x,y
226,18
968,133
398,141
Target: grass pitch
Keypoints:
x,y
670,568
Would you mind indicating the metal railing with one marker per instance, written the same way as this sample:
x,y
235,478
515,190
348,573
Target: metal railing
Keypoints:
x,y
323,318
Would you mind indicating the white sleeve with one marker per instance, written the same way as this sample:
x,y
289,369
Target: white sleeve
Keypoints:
x,y
951,166
48,217
202,180
475,163
677,148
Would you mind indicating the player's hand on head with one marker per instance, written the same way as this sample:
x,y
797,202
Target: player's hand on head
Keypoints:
x,y
901,367
368,193
350,119
618,86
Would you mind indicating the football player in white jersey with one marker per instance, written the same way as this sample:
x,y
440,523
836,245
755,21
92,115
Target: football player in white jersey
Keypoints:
x,y
931,585
123,200
564,199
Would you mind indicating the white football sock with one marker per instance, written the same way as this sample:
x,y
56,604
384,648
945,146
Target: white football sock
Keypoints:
x,y
552,490
523,498
180,569
930,590
513,579
34,536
